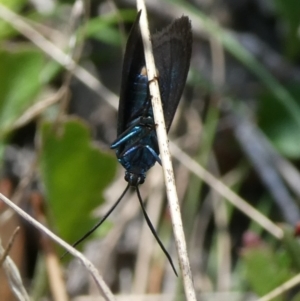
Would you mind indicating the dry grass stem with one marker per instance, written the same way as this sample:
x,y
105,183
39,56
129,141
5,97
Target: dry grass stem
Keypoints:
x,y
89,266
226,192
166,157
13,276
9,245
36,109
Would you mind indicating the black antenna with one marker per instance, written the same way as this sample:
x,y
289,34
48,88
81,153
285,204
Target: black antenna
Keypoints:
x,y
147,220
153,230
100,222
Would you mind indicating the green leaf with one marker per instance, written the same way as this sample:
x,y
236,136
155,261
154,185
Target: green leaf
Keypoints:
x,y
19,78
74,173
265,269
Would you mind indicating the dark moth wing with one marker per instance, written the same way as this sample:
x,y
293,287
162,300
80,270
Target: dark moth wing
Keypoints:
x,y
172,52
172,49
133,62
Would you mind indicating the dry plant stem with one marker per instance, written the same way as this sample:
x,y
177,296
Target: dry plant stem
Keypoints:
x,y
107,294
57,286
55,277
38,108
57,54
281,289
223,190
13,277
9,245
166,157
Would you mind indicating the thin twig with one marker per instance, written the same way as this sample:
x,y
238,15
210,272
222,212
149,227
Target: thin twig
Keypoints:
x,y
223,190
166,157
89,266
37,108
14,278
9,245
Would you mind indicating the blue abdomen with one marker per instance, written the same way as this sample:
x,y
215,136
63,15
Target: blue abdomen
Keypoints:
x,y
137,156
137,148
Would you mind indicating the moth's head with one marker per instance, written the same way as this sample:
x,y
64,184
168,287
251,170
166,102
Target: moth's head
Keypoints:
x,y
134,179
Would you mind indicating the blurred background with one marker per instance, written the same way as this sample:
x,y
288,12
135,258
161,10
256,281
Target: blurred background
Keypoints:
x,y
239,118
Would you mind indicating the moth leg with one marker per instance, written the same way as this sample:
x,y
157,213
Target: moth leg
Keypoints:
x,y
154,154
139,123
129,133
136,147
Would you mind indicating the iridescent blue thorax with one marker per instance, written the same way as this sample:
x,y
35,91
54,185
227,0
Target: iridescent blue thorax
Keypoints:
x,y
137,148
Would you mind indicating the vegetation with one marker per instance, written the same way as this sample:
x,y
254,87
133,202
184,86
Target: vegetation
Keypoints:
x,y
239,118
